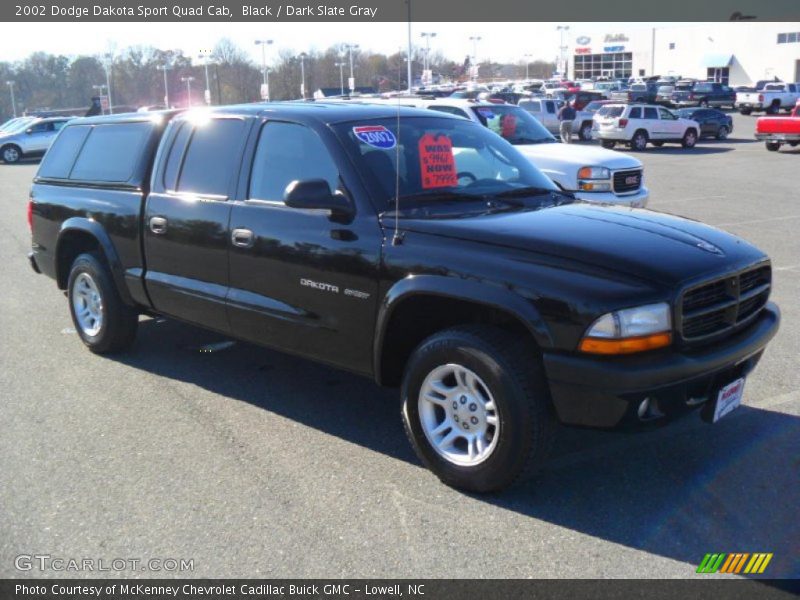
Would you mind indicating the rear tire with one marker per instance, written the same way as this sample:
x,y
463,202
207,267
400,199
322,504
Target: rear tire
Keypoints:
x,y
745,111
639,140
774,108
11,154
483,384
103,321
773,146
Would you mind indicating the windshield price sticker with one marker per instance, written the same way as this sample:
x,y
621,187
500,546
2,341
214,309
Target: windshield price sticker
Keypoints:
x,y
376,136
436,161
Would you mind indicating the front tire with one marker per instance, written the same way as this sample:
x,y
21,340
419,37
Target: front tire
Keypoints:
x,y
476,408
11,154
745,111
585,132
689,139
103,321
722,133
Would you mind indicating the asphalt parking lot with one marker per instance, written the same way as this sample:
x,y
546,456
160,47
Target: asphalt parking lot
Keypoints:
x,y
253,463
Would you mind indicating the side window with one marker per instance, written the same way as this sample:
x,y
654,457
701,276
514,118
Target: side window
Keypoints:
x,y
650,112
111,152
58,161
533,106
41,127
451,110
665,114
58,125
212,157
175,157
288,152
636,113
551,107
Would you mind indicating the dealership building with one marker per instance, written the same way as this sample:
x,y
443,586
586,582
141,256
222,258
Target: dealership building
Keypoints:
x,y
735,53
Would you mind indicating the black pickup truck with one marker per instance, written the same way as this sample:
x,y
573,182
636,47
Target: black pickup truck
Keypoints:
x,y
416,248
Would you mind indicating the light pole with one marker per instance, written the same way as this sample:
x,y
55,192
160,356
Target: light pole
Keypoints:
x,y
13,103
188,80
562,29
475,39
426,65
108,63
204,55
341,65
527,64
352,82
264,44
165,67
303,74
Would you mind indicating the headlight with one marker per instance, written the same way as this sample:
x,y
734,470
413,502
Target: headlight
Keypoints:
x,y
629,330
594,173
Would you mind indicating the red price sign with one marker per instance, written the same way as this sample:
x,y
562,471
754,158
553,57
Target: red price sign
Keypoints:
x,y
436,161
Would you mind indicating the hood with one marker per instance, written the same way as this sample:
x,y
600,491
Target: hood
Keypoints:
x,y
648,245
560,155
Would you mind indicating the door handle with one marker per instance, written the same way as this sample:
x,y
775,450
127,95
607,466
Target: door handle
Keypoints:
x,y
158,225
243,238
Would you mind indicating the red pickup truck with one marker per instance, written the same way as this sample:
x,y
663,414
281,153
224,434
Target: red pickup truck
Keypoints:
x,y
776,131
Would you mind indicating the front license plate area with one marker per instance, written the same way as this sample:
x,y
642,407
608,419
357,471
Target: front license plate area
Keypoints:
x,y
728,398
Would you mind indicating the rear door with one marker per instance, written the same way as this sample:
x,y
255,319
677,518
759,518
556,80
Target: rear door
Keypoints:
x,y
654,126
186,219
304,280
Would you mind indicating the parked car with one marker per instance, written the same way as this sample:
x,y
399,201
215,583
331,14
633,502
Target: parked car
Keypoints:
x,y
638,92
497,304
545,110
777,131
584,122
771,99
639,124
616,178
606,88
713,122
664,95
32,141
703,93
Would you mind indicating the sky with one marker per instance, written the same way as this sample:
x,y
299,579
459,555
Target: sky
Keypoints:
x,y
502,42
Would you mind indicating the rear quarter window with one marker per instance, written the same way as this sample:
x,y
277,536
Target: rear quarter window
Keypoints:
x,y
111,152
611,111
58,161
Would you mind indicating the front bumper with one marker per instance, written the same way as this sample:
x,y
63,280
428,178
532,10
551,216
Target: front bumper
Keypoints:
x,y
637,199
606,392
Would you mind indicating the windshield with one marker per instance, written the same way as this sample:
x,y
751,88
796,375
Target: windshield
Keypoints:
x,y
686,113
18,125
513,123
438,159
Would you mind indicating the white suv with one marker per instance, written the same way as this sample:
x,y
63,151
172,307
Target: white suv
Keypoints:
x,y
640,124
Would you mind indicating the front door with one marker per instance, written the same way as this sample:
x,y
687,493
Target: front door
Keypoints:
x,y
186,220
303,280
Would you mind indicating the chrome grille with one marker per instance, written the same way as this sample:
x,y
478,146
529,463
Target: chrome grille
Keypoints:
x,y
627,181
722,305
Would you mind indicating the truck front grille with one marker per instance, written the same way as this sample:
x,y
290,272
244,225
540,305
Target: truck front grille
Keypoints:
x,y
627,181
723,305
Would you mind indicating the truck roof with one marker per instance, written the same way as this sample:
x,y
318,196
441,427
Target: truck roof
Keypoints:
x,y
319,111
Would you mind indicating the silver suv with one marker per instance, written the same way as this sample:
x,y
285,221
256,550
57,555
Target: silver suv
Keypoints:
x,y
33,140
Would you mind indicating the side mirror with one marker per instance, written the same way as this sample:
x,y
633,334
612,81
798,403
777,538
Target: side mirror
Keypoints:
x,y
314,194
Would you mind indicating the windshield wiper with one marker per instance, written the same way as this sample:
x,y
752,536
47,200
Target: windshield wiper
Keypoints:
x,y
523,140
440,195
